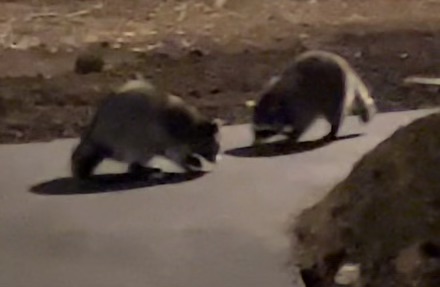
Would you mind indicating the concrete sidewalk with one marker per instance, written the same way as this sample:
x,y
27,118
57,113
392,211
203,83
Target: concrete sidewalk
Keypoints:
x,y
225,229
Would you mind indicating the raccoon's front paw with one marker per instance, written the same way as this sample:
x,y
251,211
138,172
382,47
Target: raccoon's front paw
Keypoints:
x,y
193,164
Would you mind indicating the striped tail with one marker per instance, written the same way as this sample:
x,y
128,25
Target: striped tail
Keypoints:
x,y
363,104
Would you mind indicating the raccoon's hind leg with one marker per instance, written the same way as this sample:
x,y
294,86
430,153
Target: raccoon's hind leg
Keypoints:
x,y
334,128
85,158
334,118
299,125
333,134
138,169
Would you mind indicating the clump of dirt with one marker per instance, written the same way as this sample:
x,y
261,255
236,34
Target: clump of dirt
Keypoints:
x,y
89,63
384,216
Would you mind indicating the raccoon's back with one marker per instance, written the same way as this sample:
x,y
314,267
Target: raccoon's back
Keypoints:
x,y
313,85
129,123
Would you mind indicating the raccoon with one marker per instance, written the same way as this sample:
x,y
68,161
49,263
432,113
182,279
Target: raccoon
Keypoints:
x,y
318,84
136,123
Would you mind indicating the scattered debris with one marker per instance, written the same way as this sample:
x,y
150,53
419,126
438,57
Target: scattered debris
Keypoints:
x,y
183,11
129,34
79,13
348,274
52,14
220,3
435,81
25,42
404,56
250,103
41,15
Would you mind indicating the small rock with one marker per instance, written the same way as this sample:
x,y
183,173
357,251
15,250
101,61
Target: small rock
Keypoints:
x,y
196,53
53,50
89,63
215,91
195,94
348,274
129,34
304,36
104,44
250,103
117,45
404,56
139,49
220,3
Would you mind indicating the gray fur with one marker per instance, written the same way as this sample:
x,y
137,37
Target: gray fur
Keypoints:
x,y
318,84
138,122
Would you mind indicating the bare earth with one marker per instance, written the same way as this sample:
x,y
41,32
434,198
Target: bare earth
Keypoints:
x,y
216,58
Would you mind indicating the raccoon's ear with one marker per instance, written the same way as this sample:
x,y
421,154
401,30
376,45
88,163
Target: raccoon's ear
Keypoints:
x,y
218,122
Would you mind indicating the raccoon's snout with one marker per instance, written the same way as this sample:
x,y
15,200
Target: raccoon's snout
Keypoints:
x,y
208,151
367,113
212,156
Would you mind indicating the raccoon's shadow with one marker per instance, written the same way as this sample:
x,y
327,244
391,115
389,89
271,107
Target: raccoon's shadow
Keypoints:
x,y
109,183
283,147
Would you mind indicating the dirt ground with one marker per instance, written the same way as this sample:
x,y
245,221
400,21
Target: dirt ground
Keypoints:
x,y
214,57
384,216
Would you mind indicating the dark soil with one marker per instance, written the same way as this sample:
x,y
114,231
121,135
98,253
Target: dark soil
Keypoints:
x,y
385,216
214,58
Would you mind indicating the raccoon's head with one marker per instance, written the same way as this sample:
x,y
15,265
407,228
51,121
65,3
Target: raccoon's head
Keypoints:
x,y
206,140
269,118
187,126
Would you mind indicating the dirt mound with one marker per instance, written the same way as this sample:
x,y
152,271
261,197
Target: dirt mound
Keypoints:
x,y
385,216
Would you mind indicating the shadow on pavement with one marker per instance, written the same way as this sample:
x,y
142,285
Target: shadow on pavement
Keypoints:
x,y
109,183
283,147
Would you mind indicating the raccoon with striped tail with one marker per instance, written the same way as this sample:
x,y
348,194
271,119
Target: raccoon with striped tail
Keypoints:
x,y
138,122
317,84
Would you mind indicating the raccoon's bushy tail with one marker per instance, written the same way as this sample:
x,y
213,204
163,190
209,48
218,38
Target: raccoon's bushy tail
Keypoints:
x,y
362,105
85,158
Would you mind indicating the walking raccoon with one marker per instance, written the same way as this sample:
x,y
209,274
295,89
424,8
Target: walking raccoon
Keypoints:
x,y
138,122
318,84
